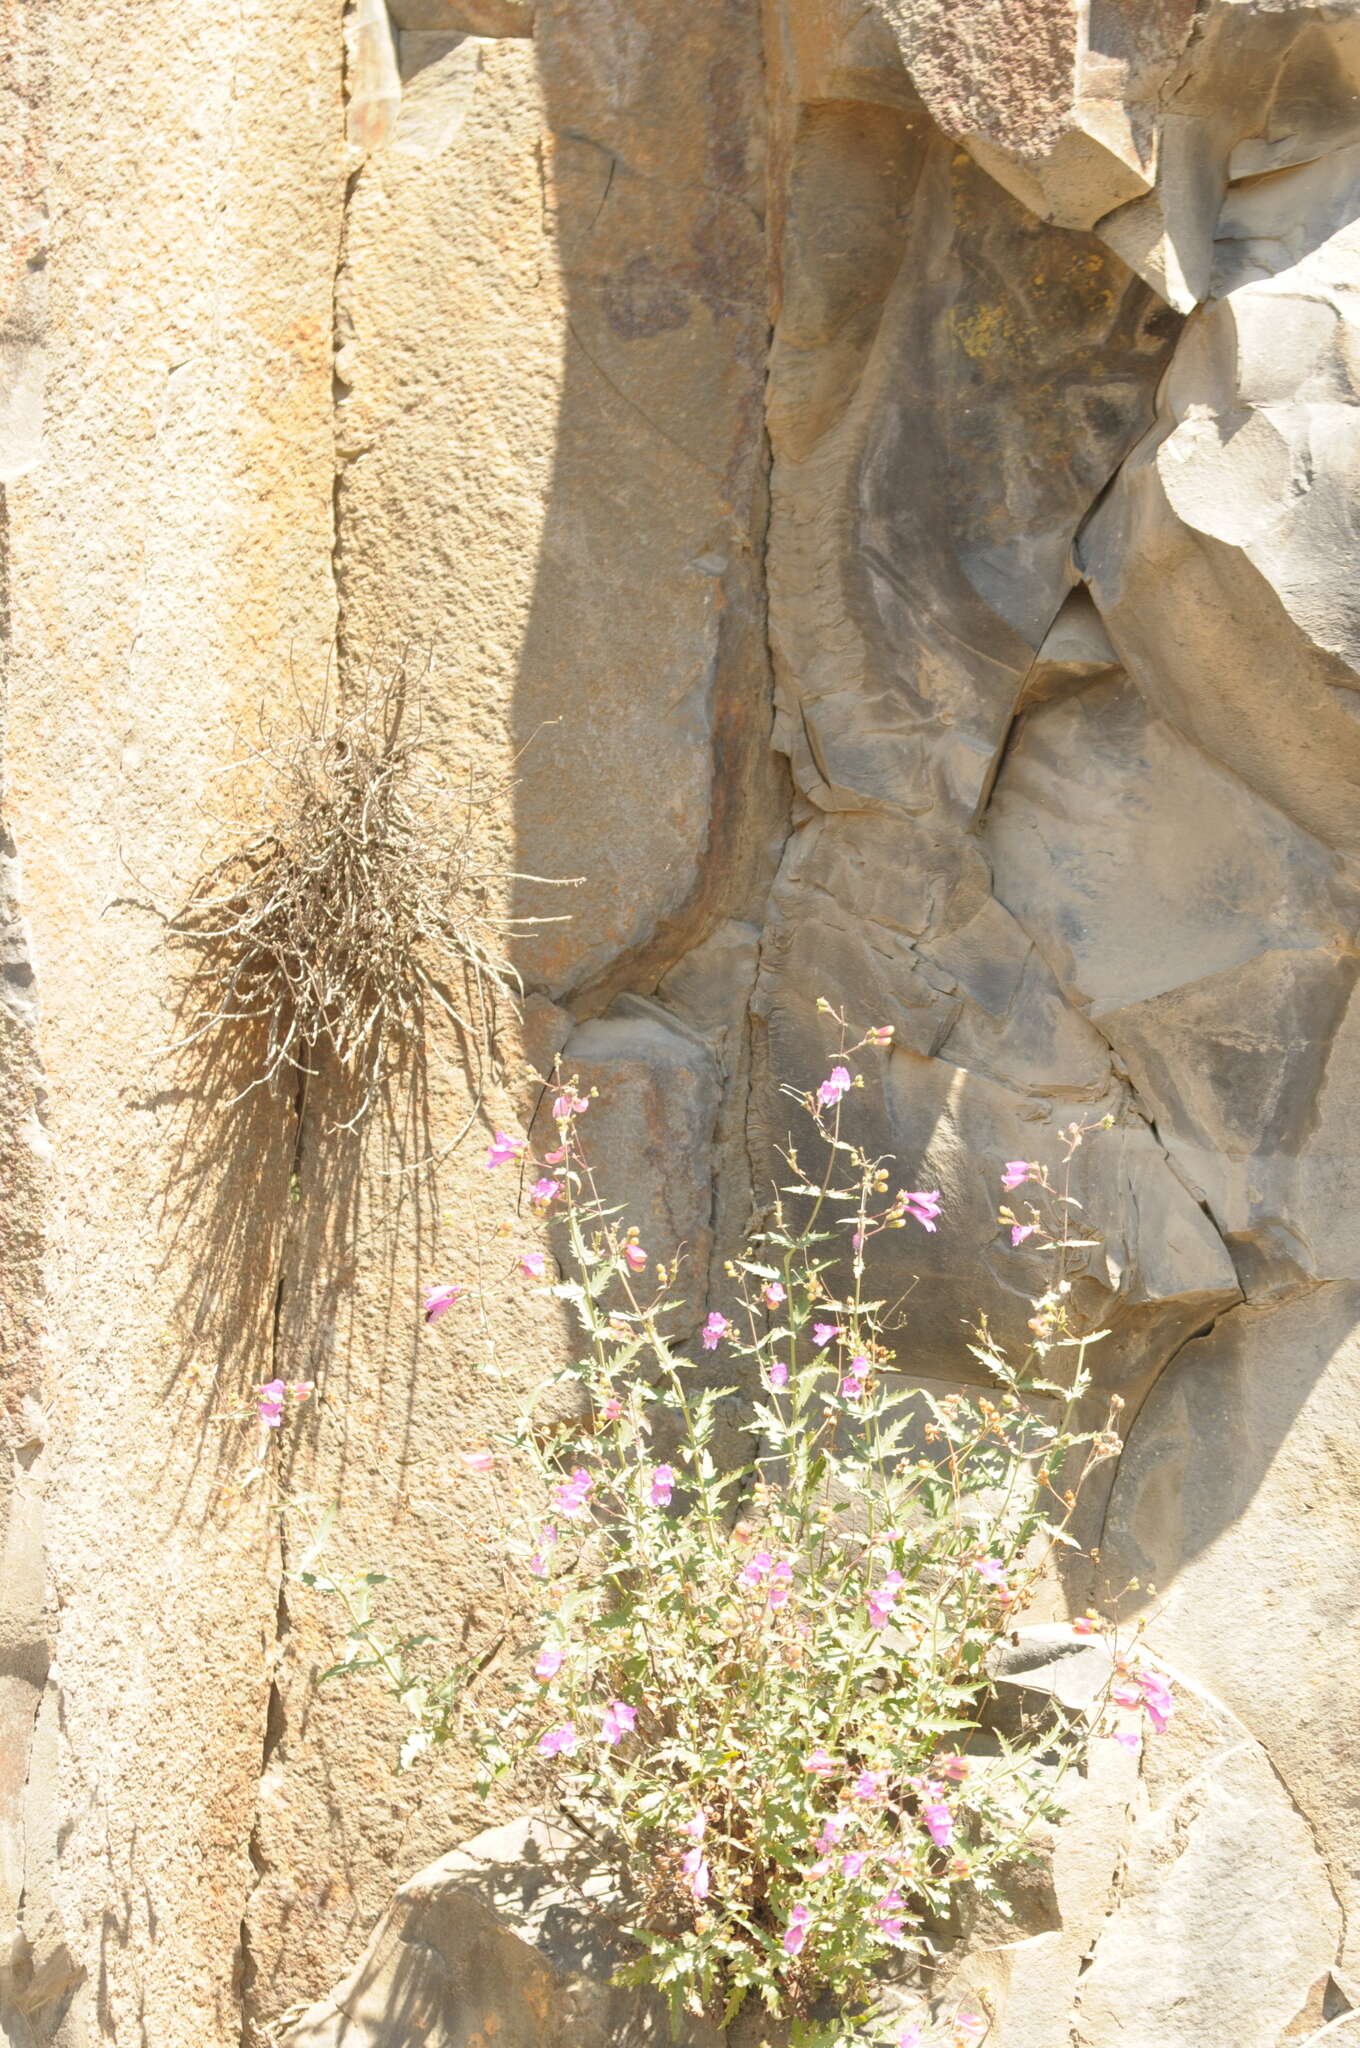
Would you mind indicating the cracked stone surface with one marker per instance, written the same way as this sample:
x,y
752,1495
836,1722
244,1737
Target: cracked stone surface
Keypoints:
x,y
876,488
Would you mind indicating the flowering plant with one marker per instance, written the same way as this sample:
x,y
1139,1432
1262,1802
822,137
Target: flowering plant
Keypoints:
x,y
765,1679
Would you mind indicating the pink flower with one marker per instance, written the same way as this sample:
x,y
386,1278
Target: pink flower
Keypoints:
x,y
853,1862
571,1496
550,1662
545,1191
695,1866
558,1741
532,1264
1083,1625
887,1915
697,1828
635,1258
439,1299
852,1386
883,1599
1020,1231
819,1763
617,1721
910,2036
832,1831
924,1208
857,1242
612,1410
569,1106
1018,1171
663,1486
781,1580
953,1767
754,1571
869,1785
269,1401
773,1294
936,1817
779,1373
1126,1739
503,1149
970,2024
1157,1699
796,1933
538,1563
716,1327
822,1333
556,1157
480,1460
992,1570
836,1084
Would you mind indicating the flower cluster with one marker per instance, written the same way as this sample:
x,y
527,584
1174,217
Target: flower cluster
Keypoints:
x,y
769,1679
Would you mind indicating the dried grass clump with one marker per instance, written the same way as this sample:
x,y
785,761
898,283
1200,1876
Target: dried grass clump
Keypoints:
x,y
357,913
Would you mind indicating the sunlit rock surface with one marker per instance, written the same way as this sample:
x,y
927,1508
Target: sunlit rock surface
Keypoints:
x,y
874,487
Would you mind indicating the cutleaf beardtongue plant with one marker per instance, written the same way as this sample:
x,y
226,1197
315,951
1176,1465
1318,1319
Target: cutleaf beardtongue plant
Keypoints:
x,y
766,1684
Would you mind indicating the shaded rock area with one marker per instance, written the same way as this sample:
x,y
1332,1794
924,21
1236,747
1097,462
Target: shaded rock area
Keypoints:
x,y
873,484
506,1941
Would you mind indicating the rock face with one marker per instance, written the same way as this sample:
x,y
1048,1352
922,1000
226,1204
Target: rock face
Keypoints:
x,y
873,488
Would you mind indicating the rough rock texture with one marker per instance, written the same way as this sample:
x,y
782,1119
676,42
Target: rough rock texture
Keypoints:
x,y
874,486
503,1941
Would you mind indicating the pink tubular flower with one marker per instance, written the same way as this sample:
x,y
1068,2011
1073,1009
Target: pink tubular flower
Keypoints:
x,y
883,1599
617,1721
550,1662
773,1294
781,1581
571,1496
545,1191
558,1741
970,2025
754,1571
538,1563
992,1570
634,1257
715,1328
832,1831
1018,1171
569,1106
822,1333
779,1373
910,2036
480,1460
887,1915
836,1084
955,1768
695,1866
923,1207
269,1401
1157,1700
532,1265
852,1386
663,1486
819,1763
440,1299
503,1149
853,1862
796,1933
936,1818
555,1157
1020,1231
1083,1624
612,1410
869,1785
